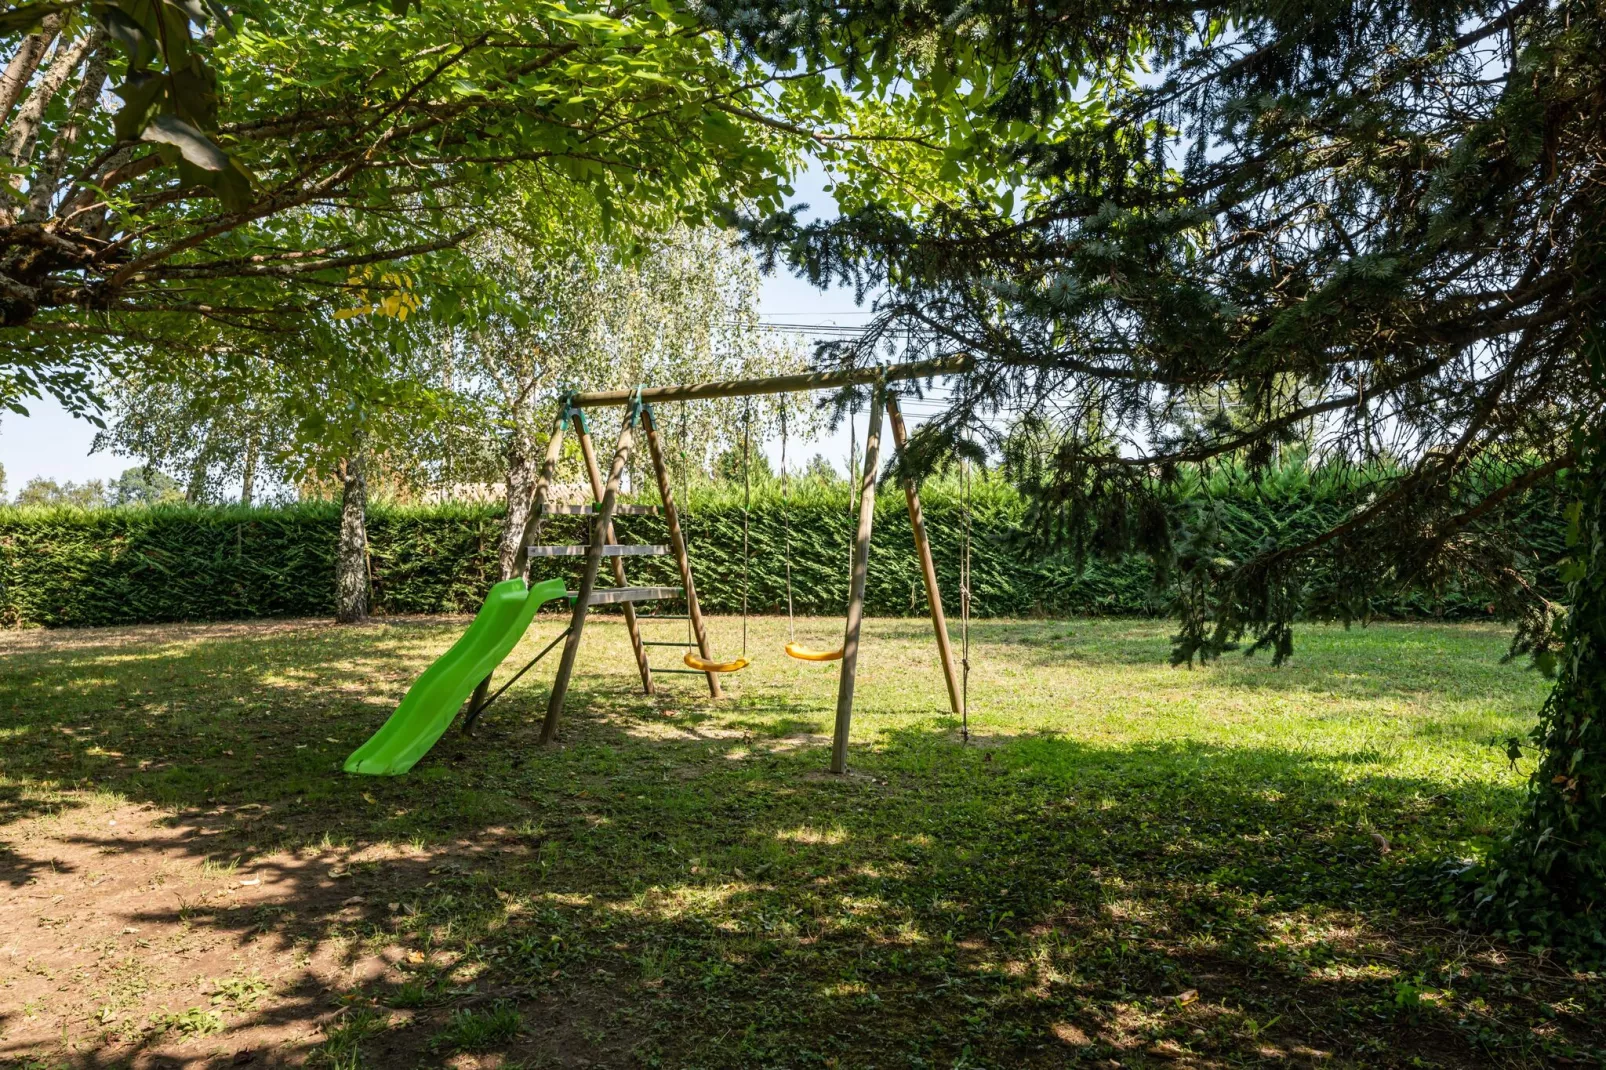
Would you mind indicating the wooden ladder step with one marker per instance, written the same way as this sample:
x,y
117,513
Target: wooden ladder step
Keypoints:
x,y
621,509
610,550
604,596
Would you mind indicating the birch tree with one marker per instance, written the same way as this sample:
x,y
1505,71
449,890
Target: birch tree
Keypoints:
x,y
682,308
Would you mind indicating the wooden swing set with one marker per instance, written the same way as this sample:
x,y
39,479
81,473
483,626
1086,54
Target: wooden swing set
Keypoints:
x,y
639,415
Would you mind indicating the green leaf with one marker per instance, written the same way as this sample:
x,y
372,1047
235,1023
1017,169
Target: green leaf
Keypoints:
x,y
195,147
140,92
26,19
193,93
137,38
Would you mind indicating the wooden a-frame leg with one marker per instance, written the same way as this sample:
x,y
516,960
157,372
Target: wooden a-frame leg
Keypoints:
x,y
677,543
597,488
602,523
861,566
549,468
928,568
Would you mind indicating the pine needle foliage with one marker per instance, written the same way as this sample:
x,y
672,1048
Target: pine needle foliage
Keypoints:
x,y
1368,228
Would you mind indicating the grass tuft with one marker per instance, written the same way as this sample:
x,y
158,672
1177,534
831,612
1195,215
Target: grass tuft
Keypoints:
x,y
342,1047
480,1031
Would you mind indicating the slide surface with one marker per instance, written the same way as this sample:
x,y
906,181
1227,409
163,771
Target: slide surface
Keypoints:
x,y
436,696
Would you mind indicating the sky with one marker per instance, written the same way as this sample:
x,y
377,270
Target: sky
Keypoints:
x,y
51,443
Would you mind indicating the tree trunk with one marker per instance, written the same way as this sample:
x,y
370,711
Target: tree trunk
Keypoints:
x,y
86,98
1552,878
24,62
23,132
200,468
523,471
248,478
351,556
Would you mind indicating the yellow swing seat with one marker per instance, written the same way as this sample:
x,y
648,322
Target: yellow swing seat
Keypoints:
x,y
803,653
702,664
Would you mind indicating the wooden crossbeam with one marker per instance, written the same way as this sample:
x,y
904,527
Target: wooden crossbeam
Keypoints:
x,y
776,384
566,509
607,596
612,549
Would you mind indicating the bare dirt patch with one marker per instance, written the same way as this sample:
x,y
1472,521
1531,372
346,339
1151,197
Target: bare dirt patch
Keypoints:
x,y
116,938
125,942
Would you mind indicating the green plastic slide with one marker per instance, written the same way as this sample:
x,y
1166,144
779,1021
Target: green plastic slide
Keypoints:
x,y
436,696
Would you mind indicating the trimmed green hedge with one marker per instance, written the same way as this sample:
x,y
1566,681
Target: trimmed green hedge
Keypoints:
x,y
70,567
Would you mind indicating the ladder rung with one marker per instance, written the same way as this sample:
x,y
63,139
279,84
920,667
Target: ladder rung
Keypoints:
x,y
663,616
659,642
621,509
612,549
678,672
602,596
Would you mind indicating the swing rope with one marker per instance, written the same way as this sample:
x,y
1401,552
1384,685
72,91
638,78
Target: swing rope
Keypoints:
x,y
685,499
793,647
964,601
747,508
786,527
695,660
853,475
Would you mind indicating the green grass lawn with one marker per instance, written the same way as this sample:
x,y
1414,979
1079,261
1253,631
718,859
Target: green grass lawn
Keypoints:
x,y
1222,866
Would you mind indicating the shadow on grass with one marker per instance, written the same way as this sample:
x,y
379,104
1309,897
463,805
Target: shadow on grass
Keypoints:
x,y
673,884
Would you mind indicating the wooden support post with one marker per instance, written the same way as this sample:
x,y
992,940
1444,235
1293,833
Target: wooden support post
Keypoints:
x,y
861,566
521,560
597,490
588,581
928,568
677,543
543,487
